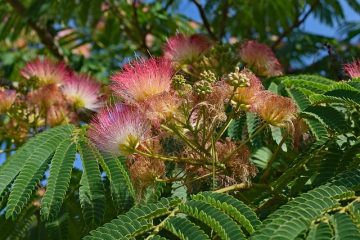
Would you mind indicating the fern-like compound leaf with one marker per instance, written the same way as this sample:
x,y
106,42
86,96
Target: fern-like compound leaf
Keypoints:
x,y
233,207
59,179
320,231
184,229
35,155
222,224
344,227
92,197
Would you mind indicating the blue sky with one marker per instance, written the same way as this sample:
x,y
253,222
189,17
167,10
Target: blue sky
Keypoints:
x,y
311,24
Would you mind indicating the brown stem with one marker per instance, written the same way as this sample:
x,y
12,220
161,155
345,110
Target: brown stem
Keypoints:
x,y
204,19
298,21
224,17
45,36
141,31
270,162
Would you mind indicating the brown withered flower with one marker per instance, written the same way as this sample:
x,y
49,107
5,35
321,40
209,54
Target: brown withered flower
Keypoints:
x,y
144,171
238,165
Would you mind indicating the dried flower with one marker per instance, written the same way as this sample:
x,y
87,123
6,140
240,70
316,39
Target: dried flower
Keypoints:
x,y
144,171
245,95
353,69
83,92
7,98
56,115
183,49
46,96
119,130
161,107
275,110
260,58
143,79
238,165
45,72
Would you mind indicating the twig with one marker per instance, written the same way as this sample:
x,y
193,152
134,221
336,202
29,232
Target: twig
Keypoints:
x,y
204,19
295,24
224,17
45,36
142,32
270,162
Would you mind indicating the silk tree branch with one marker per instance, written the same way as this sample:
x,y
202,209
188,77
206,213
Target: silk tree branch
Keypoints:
x,y
45,36
298,21
204,19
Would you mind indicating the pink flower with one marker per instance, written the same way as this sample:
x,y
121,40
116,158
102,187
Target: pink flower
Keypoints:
x,y
45,72
119,130
142,79
245,95
275,110
353,69
83,92
7,98
182,49
260,58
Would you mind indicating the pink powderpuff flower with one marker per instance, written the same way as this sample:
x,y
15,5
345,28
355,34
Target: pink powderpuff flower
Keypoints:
x,y
7,99
83,92
161,108
245,95
46,72
143,79
184,49
353,69
276,110
260,58
119,130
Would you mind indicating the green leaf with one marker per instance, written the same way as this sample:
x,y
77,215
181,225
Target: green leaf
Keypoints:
x,y
321,231
185,229
299,97
222,224
12,166
344,227
35,155
91,192
233,207
330,116
317,128
59,179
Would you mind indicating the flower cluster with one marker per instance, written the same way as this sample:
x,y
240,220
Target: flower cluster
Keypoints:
x,y
157,107
49,94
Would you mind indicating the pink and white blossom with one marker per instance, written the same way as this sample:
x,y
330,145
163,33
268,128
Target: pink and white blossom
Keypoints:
x,y
46,72
260,58
118,128
83,92
181,48
353,69
140,80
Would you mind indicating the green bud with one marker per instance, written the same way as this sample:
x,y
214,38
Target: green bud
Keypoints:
x,y
208,76
202,87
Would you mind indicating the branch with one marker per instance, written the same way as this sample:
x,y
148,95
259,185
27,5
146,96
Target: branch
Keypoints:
x,y
224,17
295,24
204,19
45,36
142,32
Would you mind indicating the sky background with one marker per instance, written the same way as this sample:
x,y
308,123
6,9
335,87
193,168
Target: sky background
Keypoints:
x,y
311,25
